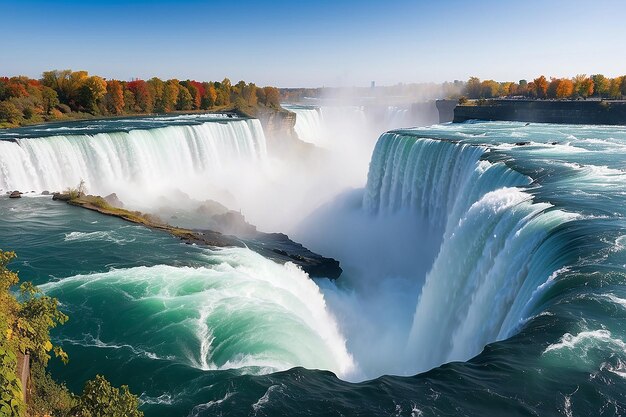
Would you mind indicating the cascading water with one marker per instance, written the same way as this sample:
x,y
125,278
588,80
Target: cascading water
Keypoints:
x,y
244,312
477,245
169,156
309,124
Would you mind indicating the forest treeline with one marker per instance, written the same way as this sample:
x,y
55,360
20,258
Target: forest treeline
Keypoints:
x,y
67,94
578,87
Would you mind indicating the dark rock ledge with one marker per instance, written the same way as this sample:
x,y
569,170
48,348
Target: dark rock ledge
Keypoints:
x,y
276,246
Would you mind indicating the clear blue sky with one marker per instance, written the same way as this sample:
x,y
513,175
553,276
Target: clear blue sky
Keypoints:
x,y
315,42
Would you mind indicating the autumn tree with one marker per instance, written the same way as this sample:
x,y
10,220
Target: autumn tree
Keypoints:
x,y
211,96
157,89
272,96
583,85
171,91
523,87
114,97
144,101
185,101
565,88
9,113
196,90
91,93
541,86
249,94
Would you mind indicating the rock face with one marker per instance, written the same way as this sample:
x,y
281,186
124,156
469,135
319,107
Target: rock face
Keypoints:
x,y
278,124
446,110
275,246
591,112
15,194
61,196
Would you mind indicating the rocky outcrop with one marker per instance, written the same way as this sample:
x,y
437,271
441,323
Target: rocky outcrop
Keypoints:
x,y
591,112
15,194
61,196
277,123
446,110
275,246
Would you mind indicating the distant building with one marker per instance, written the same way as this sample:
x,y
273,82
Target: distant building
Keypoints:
x,y
373,85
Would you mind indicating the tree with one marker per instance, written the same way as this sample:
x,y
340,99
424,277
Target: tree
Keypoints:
x,y
523,87
249,94
565,88
185,101
144,101
601,85
583,85
615,88
489,89
272,96
196,90
100,399
211,95
170,95
541,86
9,112
157,90
473,88
50,99
552,87
91,92
114,98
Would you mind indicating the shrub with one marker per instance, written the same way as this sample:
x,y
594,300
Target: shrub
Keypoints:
x,y
100,399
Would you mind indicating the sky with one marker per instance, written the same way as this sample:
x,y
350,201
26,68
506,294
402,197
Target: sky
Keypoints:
x,y
315,43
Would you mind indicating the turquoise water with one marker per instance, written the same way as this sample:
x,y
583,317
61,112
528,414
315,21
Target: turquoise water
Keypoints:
x,y
507,297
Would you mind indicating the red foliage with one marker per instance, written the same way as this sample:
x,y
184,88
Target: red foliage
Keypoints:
x,y
200,88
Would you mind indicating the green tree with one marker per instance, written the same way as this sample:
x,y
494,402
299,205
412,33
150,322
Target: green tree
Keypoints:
x,y
601,85
50,99
9,112
100,399
473,88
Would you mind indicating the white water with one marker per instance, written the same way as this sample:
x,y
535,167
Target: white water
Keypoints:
x,y
186,157
244,312
309,124
441,256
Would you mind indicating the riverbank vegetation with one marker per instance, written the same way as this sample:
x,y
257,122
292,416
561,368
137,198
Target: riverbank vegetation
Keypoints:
x,y
26,387
68,95
579,87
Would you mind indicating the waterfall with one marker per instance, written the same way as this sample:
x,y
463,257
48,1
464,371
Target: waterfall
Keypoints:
x,y
309,124
488,232
140,158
